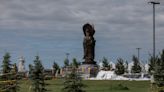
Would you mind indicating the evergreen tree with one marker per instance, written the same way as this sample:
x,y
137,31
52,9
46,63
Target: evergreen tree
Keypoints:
x,y
9,75
106,65
55,68
13,72
120,68
6,65
15,69
152,64
75,63
73,82
36,75
136,68
66,62
159,70
31,70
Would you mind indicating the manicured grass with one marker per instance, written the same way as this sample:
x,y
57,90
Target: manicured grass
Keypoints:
x,y
95,86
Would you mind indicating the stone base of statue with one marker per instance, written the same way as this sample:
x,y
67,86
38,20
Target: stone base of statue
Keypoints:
x,y
88,70
93,62
89,61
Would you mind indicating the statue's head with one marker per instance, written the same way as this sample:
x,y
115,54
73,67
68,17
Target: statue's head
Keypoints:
x,y
88,29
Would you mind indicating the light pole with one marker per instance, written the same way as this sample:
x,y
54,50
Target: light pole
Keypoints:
x,y
138,49
154,3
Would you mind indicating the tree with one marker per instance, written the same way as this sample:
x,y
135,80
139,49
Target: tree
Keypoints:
x,y
152,64
159,70
120,68
55,68
31,70
66,62
75,63
6,65
15,69
9,75
73,82
136,68
106,65
36,75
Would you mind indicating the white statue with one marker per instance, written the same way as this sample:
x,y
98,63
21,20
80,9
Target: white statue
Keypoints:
x,y
21,66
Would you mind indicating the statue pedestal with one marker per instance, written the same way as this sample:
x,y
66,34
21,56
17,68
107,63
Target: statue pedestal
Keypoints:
x,y
88,70
90,63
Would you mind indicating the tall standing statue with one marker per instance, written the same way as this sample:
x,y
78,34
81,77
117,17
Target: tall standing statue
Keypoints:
x,y
89,44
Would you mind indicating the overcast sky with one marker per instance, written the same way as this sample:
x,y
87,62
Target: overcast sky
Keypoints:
x,y
52,28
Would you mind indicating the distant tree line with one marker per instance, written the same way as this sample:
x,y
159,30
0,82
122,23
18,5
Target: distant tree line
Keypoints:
x,y
121,66
155,65
73,82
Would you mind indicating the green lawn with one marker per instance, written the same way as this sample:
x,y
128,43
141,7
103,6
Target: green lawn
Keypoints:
x,y
95,86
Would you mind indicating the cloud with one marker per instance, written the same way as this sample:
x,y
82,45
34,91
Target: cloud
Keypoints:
x,y
54,27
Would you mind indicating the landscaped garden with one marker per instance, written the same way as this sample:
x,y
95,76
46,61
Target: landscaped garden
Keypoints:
x,y
95,86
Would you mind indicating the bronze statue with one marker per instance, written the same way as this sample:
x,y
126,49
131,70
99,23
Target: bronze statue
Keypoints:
x,y
89,44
